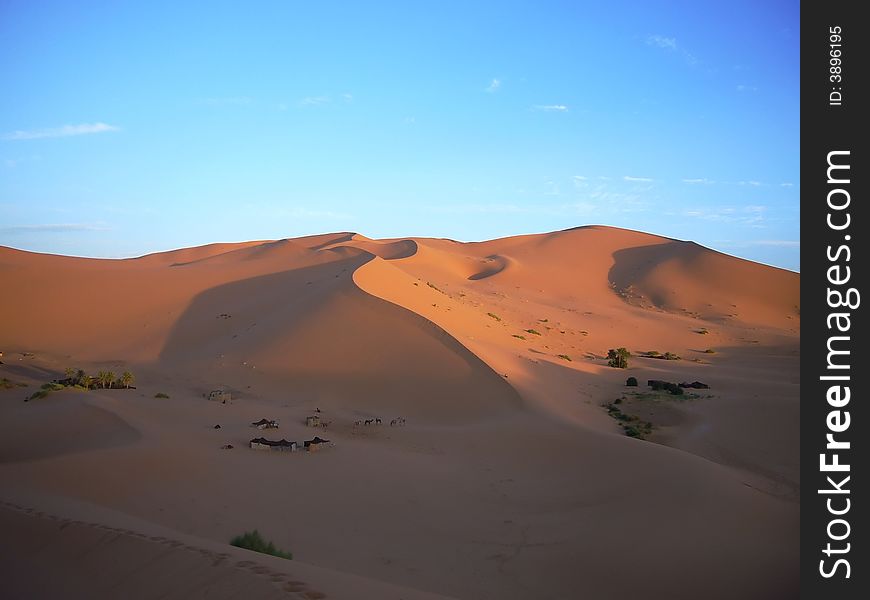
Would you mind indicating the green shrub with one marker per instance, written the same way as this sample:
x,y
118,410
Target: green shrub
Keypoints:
x,y
631,382
618,358
709,351
51,387
565,357
38,395
161,395
494,316
519,337
533,331
670,356
252,540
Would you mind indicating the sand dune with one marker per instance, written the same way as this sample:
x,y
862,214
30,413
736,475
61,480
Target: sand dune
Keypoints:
x,y
509,481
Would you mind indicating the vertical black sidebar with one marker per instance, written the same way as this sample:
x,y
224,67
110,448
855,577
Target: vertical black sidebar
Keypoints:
x,y
835,424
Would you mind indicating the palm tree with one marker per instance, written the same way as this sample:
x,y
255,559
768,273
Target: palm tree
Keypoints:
x,y
86,381
70,373
105,378
127,379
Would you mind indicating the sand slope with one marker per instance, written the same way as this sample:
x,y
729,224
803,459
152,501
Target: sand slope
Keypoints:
x,y
509,480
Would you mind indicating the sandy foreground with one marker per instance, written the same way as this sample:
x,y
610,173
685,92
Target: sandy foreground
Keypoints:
x,y
509,480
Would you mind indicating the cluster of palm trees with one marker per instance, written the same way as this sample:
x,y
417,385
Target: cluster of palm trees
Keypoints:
x,y
103,379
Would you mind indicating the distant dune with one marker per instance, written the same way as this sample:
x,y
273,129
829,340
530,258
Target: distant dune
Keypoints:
x,y
510,478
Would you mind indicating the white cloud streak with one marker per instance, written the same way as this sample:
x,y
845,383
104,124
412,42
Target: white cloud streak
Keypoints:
x,y
660,41
638,179
58,132
551,107
670,44
315,101
493,86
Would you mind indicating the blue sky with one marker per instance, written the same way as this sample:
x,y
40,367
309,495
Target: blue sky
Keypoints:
x,y
127,128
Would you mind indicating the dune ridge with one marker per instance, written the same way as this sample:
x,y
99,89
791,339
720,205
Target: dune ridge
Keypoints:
x,y
509,468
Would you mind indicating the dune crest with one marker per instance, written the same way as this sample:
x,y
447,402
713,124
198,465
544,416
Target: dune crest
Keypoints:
x,y
481,445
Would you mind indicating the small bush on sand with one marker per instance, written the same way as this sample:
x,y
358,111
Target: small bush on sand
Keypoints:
x,y
709,351
565,357
494,316
38,395
519,337
618,358
533,331
631,382
161,395
252,540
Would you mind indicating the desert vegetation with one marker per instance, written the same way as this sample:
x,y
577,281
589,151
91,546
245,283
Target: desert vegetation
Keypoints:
x,y
618,358
659,355
631,425
252,540
80,380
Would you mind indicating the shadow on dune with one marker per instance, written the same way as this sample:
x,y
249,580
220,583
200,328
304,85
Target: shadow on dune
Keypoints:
x,y
687,277
631,265
313,331
494,265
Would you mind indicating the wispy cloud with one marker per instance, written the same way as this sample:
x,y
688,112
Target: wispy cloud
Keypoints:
x,y
786,184
638,179
670,44
54,228
746,88
493,86
347,97
661,41
780,243
753,243
752,215
315,101
56,132
552,188
698,181
550,107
